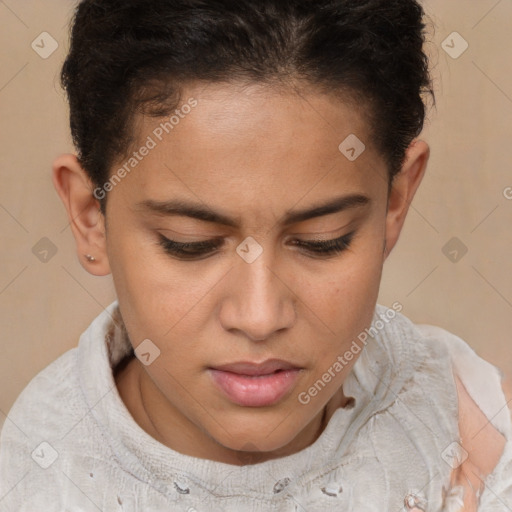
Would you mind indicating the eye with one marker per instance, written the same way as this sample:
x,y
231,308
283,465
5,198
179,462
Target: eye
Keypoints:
x,y
188,250
195,250
327,247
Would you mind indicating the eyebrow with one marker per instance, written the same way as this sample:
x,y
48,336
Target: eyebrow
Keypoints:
x,y
197,211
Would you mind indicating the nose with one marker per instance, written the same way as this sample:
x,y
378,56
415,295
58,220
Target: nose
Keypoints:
x,y
258,300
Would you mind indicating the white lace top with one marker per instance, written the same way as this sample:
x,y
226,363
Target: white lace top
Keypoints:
x,y
70,444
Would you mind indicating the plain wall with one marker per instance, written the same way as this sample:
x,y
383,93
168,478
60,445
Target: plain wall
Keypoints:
x,y
45,306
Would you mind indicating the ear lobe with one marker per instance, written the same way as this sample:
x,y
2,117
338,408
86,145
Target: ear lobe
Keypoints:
x,y
403,189
86,220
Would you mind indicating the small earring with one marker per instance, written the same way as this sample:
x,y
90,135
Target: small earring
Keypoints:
x,y
90,258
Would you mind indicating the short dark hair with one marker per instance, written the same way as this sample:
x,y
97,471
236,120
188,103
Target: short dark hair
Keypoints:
x,y
129,56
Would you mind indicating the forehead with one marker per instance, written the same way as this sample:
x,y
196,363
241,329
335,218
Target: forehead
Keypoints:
x,y
256,144
279,116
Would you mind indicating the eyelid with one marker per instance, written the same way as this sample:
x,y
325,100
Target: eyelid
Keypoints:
x,y
325,236
310,236
313,235
203,237
320,241
326,246
194,243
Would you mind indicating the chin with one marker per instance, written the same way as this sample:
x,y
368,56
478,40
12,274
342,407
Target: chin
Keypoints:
x,y
269,437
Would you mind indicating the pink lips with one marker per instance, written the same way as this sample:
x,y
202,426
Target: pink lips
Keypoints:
x,y
255,385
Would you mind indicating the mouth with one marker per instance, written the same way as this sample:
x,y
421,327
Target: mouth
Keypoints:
x,y
256,384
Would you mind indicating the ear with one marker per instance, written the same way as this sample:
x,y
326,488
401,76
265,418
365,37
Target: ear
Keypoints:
x,y
403,188
87,222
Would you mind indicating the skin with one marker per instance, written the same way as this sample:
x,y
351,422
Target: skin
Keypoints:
x,y
252,153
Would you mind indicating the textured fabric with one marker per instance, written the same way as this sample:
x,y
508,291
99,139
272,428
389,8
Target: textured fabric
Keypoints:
x,y
70,444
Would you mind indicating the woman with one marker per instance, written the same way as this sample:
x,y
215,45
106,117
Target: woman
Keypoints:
x,y
243,170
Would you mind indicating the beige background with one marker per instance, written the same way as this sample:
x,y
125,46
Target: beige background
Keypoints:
x,y
45,306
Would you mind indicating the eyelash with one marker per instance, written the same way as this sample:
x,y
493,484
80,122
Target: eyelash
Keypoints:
x,y
191,250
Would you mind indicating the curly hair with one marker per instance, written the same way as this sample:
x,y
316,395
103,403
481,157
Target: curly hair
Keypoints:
x,y
129,56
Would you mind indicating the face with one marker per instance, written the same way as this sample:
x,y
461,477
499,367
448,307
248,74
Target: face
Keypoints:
x,y
248,249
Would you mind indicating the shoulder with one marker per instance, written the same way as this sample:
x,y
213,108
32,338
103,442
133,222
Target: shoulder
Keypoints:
x,y
484,416
483,442
47,400
478,381
46,407
482,448
47,392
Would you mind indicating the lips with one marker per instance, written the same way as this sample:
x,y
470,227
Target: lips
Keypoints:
x,y
255,369
255,384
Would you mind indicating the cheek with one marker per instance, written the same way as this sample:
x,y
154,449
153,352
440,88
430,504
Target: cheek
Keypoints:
x,y
344,302
350,288
142,285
